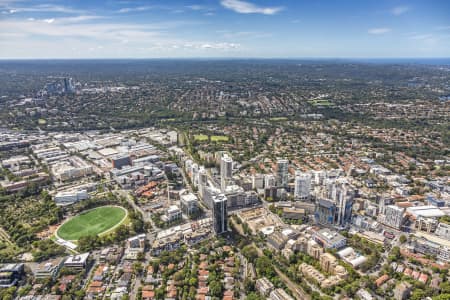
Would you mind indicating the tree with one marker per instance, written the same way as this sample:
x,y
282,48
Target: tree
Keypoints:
x,y
249,285
254,296
215,288
137,268
265,267
250,253
403,239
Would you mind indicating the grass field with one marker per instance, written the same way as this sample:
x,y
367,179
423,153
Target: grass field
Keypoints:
x,y
92,222
277,119
219,138
320,102
200,137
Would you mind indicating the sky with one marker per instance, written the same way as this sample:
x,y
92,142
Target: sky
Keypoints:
x,y
224,29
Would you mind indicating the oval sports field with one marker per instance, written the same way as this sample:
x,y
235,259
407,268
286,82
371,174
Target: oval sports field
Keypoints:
x,y
92,222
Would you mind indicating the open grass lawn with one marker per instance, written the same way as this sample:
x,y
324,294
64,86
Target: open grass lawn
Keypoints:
x,y
200,137
92,222
320,102
219,138
277,119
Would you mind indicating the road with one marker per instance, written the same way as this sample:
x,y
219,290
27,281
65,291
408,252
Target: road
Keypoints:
x,y
293,287
146,216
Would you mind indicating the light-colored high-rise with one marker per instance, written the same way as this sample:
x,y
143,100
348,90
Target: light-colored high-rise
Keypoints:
x,y
302,186
226,170
282,172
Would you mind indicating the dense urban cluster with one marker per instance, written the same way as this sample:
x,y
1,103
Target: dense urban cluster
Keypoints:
x,y
164,181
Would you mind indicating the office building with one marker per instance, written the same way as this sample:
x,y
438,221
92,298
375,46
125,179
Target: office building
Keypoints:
x,y
120,161
48,269
69,197
202,181
342,194
173,213
226,170
336,207
394,216
282,177
68,86
189,204
257,181
77,262
269,181
443,231
219,211
10,274
329,239
302,186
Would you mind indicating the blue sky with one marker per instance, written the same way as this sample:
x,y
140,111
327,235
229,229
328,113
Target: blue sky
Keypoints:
x,y
224,28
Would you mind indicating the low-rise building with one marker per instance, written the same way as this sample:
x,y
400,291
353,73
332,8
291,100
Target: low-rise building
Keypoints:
x,y
277,240
280,294
264,286
314,249
402,291
328,262
48,269
189,204
77,262
10,274
329,239
69,197
173,213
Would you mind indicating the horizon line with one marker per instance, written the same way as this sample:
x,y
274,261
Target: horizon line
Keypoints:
x,y
225,58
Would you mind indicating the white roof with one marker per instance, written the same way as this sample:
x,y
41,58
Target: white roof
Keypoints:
x,y
189,197
425,211
267,230
173,208
357,261
77,259
345,252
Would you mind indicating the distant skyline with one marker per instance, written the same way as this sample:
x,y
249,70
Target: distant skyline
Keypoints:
x,y
224,29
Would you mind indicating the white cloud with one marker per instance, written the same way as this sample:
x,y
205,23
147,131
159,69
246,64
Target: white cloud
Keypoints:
x,y
421,36
197,7
81,38
218,46
244,7
381,30
400,10
134,9
443,28
46,8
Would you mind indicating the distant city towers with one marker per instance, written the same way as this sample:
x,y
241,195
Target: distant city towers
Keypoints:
x,y
335,208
